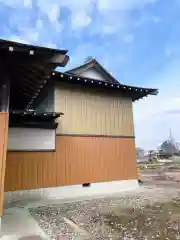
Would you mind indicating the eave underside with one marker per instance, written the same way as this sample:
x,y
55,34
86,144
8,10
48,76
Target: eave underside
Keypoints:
x,y
28,69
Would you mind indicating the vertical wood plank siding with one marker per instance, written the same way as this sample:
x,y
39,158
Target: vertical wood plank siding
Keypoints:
x,y
91,112
3,151
77,160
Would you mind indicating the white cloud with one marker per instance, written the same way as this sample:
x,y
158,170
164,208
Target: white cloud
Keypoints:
x,y
107,5
156,114
79,10
41,32
54,12
106,29
32,35
147,19
113,16
50,45
80,20
112,13
17,3
27,3
116,17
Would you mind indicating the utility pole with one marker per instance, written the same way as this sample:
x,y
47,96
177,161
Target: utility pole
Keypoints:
x,y
171,142
170,136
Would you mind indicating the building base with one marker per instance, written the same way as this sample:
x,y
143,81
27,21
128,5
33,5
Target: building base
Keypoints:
x,y
74,191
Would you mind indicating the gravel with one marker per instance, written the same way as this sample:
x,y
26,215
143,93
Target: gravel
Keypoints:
x,y
116,217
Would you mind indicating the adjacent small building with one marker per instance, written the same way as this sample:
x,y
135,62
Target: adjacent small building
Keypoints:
x,y
69,134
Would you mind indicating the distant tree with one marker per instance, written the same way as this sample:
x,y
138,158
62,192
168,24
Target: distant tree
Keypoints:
x,y
168,148
152,156
178,147
151,152
139,152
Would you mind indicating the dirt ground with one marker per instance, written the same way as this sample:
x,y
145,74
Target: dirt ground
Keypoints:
x,y
164,175
151,212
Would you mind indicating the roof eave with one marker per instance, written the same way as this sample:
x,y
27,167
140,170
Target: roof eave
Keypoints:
x,y
155,92
151,92
60,60
133,92
25,47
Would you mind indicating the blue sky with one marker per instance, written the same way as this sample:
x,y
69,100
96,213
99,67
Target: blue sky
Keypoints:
x,y
138,41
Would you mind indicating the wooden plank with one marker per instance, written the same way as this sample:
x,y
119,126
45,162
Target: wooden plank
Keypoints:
x,y
77,160
3,151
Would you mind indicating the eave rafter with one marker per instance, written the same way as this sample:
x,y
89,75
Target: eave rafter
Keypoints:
x,y
33,119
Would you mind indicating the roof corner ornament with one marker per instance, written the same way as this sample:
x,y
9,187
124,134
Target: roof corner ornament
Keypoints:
x,y
88,59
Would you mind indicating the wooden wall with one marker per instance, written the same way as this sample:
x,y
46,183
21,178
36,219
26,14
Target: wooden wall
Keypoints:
x,y
92,112
3,151
77,160
80,159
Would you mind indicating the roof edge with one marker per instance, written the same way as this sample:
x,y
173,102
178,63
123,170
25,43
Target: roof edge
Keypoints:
x,y
27,45
136,91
